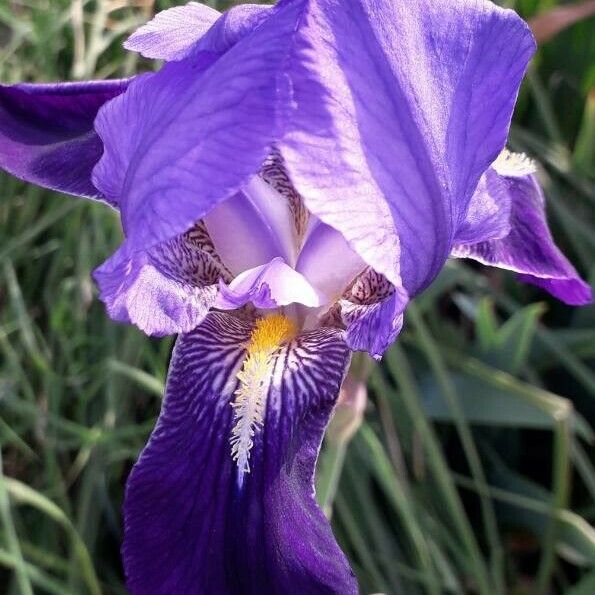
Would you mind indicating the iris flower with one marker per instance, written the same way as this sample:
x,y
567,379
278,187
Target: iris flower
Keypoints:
x,y
287,181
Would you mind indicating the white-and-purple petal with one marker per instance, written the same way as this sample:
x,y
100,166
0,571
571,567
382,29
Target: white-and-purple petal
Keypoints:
x,y
165,290
253,227
270,285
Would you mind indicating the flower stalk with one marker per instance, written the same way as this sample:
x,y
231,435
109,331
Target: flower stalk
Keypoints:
x,y
346,421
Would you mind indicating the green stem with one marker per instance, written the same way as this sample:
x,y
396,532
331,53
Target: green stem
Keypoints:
x,y
330,468
559,502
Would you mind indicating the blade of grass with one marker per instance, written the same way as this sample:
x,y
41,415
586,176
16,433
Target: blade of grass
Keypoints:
x,y
401,374
438,366
12,540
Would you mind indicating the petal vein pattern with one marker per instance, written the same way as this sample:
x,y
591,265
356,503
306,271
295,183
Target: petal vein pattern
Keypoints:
x,y
190,527
400,107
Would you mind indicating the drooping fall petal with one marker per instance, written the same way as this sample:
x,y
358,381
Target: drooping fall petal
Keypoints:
x,y
47,136
528,248
192,525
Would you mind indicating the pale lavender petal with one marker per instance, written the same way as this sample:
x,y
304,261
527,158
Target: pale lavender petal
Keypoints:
x,y
232,26
172,33
252,227
184,139
328,262
46,133
167,289
400,107
268,286
189,528
529,248
181,31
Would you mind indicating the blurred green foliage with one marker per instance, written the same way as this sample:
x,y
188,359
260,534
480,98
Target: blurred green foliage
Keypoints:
x,y
473,470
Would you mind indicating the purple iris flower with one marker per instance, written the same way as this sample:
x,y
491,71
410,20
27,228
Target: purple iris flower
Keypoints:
x,y
287,182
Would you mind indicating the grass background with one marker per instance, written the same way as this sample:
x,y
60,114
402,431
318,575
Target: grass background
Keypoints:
x,y
473,470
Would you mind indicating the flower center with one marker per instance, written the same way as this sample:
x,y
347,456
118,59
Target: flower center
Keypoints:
x,y
254,378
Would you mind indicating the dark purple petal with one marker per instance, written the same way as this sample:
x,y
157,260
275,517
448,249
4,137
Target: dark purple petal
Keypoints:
x,y
173,32
46,133
165,290
180,141
400,107
529,248
189,526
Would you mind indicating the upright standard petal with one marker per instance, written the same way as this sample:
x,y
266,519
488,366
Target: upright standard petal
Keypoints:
x,y
171,33
528,248
177,32
182,140
193,524
47,136
400,107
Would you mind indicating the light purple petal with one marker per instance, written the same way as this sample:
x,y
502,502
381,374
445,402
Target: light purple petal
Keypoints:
x,y
232,26
488,215
529,248
252,227
328,262
165,290
178,32
172,33
180,141
268,286
189,528
46,133
400,107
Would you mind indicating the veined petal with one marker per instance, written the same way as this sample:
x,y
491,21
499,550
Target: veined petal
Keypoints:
x,y
165,290
400,107
190,527
180,31
46,133
372,313
268,286
172,33
184,139
529,248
